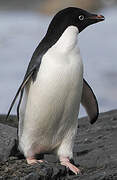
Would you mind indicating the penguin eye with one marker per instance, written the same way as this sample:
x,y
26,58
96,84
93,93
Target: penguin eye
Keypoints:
x,y
81,17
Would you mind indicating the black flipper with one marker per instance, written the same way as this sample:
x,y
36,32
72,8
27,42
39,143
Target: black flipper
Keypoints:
x,y
31,72
18,106
26,79
89,102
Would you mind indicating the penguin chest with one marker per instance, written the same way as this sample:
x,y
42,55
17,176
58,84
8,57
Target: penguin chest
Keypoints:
x,y
53,99
57,89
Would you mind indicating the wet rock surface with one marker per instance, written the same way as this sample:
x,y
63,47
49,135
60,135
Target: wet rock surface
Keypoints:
x,y
95,151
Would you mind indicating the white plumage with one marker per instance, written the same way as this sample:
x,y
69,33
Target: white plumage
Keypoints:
x,y
50,105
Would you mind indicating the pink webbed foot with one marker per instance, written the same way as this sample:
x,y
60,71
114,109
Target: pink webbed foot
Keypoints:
x,y
65,162
33,161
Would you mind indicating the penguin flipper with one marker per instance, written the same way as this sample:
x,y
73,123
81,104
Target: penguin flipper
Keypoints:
x,y
31,72
20,89
89,102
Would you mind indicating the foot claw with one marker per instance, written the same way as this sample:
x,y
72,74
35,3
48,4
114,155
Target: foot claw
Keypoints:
x,y
33,161
65,162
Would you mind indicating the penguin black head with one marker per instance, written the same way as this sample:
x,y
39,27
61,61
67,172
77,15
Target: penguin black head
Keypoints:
x,y
72,17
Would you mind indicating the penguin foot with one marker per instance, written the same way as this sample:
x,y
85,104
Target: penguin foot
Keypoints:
x,y
33,161
66,162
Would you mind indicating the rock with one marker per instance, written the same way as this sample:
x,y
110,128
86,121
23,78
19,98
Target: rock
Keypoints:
x,y
12,120
7,141
96,147
95,150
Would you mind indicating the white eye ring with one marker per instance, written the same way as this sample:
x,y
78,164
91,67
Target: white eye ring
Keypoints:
x,y
81,17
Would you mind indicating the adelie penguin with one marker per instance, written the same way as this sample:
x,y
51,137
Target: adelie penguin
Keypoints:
x,y
53,88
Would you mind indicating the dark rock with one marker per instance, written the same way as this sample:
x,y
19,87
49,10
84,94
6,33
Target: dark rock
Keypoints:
x,y
95,150
7,140
11,121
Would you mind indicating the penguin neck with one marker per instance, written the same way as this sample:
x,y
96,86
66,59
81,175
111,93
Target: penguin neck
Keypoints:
x,y
64,42
68,39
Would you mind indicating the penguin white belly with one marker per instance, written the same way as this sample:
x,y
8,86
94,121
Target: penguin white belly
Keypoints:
x,y
53,102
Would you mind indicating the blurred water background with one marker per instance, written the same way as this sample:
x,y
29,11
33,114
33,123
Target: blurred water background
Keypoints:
x,y
22,26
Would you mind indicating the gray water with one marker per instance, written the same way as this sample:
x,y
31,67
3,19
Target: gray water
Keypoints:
x,y
21,32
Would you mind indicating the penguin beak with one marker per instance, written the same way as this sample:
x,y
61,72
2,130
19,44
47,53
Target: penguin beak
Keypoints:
x,y
96,18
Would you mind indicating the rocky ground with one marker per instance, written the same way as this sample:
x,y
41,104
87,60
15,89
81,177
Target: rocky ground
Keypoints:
x,y
95,151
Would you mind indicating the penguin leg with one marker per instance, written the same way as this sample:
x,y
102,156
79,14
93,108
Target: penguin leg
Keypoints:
x,y
65,151
32,154
66,162
32,160
35,157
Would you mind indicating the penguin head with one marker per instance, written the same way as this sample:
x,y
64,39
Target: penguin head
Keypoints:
x,y
73,17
